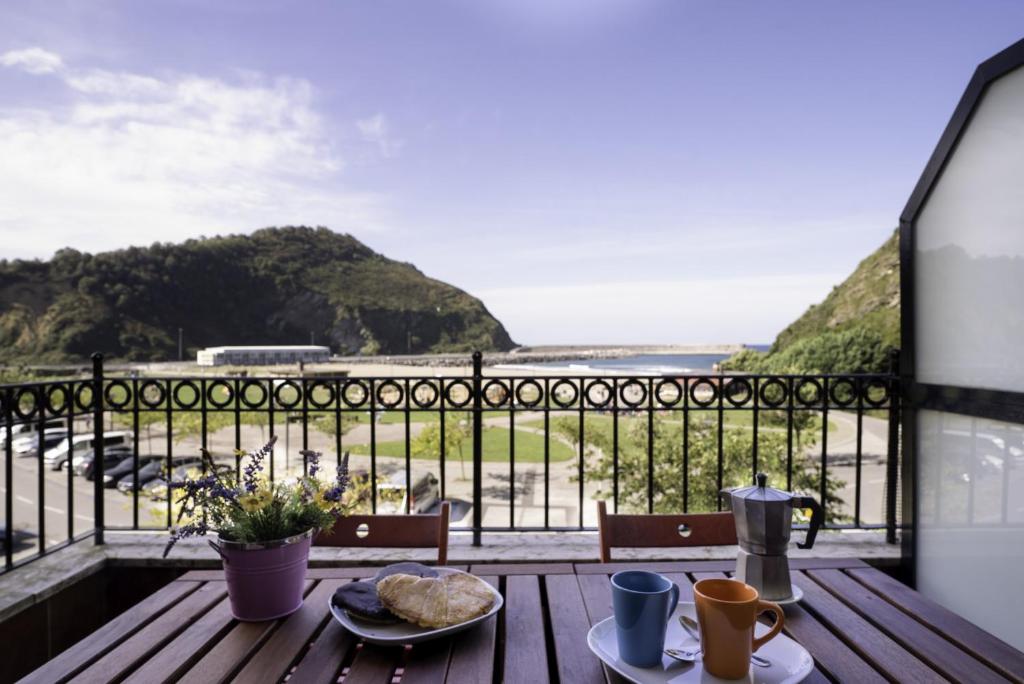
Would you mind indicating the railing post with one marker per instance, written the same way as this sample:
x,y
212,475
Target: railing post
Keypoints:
x,y
97,454
478,457
892,461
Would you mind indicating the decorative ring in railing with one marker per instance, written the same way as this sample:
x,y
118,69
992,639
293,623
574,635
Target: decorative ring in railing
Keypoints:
x,y
218,389
316,390
772,393
802,398
496,393
152,394
675,395
522,388
248,388
711,394
458,387
427,387
389,394
564,393
632,393
605,396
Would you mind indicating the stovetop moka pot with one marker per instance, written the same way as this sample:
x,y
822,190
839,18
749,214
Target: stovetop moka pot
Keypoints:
x,y
764,518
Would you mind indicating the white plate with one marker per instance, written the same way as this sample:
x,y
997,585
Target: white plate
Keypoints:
x,y
405,632
790,662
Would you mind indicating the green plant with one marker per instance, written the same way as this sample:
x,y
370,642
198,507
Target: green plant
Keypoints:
x,y
251,509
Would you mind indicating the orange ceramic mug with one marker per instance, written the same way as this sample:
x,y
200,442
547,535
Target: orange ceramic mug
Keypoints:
x,y
727,610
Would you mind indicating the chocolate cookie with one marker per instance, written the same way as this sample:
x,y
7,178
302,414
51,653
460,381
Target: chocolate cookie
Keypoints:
x,y
414,569
360,600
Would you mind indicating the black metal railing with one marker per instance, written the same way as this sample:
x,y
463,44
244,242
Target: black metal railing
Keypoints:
x,y
539,449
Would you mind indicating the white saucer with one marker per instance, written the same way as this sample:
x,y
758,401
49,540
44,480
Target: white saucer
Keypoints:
x,y
798,594
790,662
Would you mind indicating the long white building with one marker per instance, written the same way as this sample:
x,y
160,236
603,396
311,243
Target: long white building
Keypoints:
x,y
262,356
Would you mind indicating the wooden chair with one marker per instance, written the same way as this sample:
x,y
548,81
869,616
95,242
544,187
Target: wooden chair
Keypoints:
x,y
392,531
696,529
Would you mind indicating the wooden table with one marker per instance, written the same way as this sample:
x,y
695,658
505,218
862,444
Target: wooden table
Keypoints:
x,y
858,623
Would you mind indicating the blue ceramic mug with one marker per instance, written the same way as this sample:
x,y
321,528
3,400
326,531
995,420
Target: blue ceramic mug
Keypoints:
x,y
643,603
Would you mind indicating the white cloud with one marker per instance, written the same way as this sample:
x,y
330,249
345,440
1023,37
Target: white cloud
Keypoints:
x,y
34,60
712,311
136,158
375,130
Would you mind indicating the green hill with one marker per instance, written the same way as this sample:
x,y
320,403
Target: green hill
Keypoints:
x,y
276,286
850,331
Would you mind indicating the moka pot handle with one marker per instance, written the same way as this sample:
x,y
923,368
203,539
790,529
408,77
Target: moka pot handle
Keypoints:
x,y
817,518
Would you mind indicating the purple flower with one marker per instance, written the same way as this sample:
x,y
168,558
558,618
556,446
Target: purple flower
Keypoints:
x,y
196,529
335,493
312,460
255,465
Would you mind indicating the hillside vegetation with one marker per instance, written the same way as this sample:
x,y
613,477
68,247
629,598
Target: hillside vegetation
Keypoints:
x,y
851,331
276,286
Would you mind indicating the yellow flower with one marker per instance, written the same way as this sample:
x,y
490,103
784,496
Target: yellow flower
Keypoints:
x,y
264,497
322,503
251,503
241,453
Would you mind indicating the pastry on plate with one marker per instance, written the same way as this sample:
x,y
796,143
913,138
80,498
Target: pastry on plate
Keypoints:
x,y
435,601
408,568
360,600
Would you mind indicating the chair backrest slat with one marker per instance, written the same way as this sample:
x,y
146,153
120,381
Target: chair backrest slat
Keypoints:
x,y
392,531
701,529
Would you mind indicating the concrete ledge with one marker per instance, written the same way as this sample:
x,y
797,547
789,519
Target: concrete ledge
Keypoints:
x,y
38,580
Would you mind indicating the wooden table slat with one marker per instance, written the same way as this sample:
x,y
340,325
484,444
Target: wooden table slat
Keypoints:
x,y
428,663
374,664
473,653
569,626
326,655
915,637
525,648
995,652
174,659
110,635
153,636
830,653
862,637
508,569
287,643
228,654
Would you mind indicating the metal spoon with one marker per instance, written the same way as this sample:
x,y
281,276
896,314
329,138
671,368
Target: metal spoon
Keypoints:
x,y
684,656
691,627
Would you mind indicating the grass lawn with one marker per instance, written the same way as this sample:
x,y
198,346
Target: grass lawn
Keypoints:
x,y
733,420
529,448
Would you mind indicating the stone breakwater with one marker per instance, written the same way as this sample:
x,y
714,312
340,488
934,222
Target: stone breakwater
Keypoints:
x,y
533,355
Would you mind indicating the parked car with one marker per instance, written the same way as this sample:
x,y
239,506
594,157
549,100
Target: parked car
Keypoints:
x,y
113,475
84,465
29,446
426,491
152,471
59,455
157,488
30,429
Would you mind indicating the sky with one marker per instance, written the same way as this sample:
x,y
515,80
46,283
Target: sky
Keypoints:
x,y
596,171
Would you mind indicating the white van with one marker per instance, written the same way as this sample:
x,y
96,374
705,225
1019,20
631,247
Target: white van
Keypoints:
x,y
58,456
30,429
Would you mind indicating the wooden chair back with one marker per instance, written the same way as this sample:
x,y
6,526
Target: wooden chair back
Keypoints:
x,y
695,529
392,531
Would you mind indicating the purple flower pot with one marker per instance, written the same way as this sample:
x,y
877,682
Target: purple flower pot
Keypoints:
x,y
265,579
